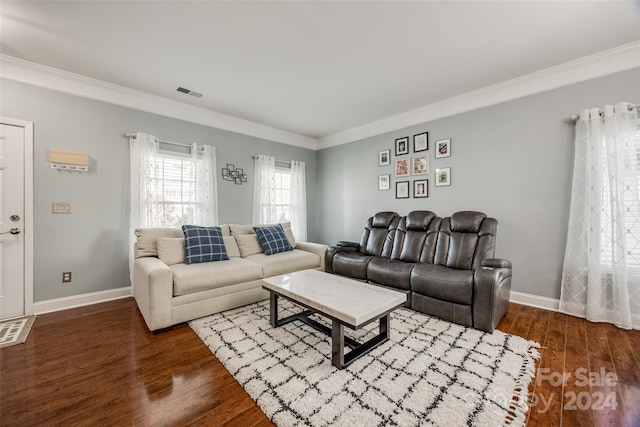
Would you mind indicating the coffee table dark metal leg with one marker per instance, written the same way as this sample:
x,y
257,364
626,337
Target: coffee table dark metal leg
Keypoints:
x,y
339,359
273,308
337,345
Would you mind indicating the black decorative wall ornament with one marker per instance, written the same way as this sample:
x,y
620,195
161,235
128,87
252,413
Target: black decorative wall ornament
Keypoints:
x,y
230,173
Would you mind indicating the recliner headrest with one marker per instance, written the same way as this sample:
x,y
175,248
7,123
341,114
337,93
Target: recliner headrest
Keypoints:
x,y
383,219
419,220
467,221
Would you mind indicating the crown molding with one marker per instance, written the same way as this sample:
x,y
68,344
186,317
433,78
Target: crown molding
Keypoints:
x,y
611,61
63,81
604,63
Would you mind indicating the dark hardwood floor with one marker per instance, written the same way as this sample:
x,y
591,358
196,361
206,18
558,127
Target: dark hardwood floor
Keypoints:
x,y
99,365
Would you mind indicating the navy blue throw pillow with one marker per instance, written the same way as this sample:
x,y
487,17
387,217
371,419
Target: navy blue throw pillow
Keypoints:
x,y
203,244
272,239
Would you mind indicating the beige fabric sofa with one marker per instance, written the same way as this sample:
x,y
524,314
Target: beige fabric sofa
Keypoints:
x,y
169,292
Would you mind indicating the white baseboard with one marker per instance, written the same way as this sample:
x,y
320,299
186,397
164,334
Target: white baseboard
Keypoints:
x,y
73,301
535,301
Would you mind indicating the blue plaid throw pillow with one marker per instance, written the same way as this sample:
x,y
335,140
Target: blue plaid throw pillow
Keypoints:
x,y
203,244
272,239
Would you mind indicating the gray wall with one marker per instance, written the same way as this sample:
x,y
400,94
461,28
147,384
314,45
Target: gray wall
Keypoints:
x,y
92,242
512,161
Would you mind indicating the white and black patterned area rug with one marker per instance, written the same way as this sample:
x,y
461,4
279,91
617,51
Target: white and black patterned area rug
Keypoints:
x,y
15,331
430,372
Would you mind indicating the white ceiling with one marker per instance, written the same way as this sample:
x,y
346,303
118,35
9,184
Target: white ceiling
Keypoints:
x,y
312,68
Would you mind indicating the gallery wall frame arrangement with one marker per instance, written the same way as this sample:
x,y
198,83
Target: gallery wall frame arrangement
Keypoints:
x,y
443,148
420,188
402,146
402,189
406,166
443,177
384,158
384,182
421,142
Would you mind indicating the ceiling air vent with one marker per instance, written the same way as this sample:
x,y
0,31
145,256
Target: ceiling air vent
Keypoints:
x,y
189,92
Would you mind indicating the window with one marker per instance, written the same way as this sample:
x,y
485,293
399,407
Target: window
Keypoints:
x,y
171,197
283,194
631,224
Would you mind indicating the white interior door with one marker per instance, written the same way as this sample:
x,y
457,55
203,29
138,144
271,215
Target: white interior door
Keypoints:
x,y
12,220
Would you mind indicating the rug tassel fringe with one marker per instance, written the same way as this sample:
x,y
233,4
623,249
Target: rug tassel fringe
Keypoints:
x,y
519,404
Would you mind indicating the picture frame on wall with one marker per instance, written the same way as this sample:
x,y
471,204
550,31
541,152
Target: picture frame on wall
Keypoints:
x,y
402,168
384,182
384,158
443,148
421,142
420,165
402,146
420,188
402,190
443,177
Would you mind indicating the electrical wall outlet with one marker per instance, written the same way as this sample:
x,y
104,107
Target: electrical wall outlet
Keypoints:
x,y
66,277
61,207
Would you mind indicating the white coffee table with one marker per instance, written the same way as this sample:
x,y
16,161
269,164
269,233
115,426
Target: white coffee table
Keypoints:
x,y
345,301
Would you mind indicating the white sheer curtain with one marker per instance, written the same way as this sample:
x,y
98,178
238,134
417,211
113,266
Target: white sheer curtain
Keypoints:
x,y
264,191
298,201
601,273
206,186
142,148
156,203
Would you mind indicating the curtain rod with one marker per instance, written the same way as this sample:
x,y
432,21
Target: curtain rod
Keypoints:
x,y
279,161
179,144
575,117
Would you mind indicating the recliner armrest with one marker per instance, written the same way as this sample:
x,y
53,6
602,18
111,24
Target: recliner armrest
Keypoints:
x,y
332,251
345,244
496,263
491,293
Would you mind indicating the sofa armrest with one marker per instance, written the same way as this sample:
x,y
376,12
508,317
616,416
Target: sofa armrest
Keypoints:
x,y
491,292
315,248
332,251
153,291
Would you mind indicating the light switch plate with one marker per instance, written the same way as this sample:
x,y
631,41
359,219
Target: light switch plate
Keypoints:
x,y
61,207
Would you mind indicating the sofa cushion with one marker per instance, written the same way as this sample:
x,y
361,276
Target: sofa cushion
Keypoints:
x,y
445,284
392,273
248,244
285,262
272,239
192,278
203,244
171,250
147,238
351,264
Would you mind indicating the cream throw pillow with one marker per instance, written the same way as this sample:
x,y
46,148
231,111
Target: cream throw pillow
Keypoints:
x,y
248,244
171,250
232,247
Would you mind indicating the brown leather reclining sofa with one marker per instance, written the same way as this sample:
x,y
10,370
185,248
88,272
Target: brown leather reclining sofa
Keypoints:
x,y
444,265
